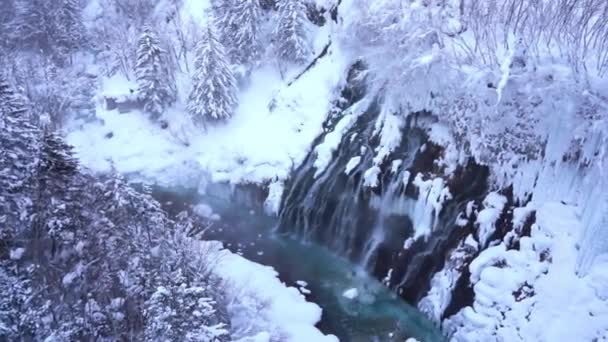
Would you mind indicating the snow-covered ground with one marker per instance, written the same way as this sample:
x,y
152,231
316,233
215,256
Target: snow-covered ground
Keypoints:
x,y
269,135
262,308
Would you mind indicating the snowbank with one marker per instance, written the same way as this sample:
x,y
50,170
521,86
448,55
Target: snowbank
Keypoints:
x,y
263,308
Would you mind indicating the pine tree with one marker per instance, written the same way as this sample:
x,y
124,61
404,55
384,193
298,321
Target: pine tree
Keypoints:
x,y
57,202
7,15
239,28
71,28
55,27
180,311
34,24
156,86
18,162
81,257
214,92
291,36
10,103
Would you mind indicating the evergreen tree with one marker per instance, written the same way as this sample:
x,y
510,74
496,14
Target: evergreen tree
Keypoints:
x,y
156,86
179,311
291,37
71,30
57,204
213,95
55,27
81,258
34,23
10,103
239,27
7,15
18,162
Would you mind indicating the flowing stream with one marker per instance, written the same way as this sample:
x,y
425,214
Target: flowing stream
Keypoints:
x,y
375,314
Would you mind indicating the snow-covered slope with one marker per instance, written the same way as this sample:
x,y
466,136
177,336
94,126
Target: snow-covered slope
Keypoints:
x,y
535,293
269,135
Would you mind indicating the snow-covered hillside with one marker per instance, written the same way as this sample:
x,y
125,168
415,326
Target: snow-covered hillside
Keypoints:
x,y
533,117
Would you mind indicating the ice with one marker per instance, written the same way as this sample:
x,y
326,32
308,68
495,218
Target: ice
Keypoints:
x,y
352,164
351,293
272,204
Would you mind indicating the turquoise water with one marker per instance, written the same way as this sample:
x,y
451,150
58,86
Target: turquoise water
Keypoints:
x,y
376,314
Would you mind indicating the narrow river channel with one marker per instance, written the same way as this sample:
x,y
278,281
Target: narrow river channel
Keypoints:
x,y
374,314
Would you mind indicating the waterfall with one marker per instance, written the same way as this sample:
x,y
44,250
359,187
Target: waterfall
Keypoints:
x,y
400,230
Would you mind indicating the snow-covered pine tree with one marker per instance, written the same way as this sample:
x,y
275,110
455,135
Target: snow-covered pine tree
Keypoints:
x,y
239,29
7,15
156,84
71,28
214,90
10,103
291,41
18,160
33,24
182,311
57,204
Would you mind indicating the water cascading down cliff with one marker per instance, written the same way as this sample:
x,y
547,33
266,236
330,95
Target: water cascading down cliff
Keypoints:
x,y
403,229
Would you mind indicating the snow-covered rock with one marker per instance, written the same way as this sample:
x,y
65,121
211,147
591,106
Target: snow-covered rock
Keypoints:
x,y
519,293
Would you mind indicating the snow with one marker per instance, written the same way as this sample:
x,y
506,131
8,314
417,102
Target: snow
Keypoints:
x,y
444,282
389,127
258,297
195,10
352,164
324,151
269,135
351,293
273,201
423,211
425,214
519,293
17,253
486,219
205,211
370,177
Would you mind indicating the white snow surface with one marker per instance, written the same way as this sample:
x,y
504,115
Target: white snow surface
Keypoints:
x,y
270,133
494,204
262,308
352,164
535,293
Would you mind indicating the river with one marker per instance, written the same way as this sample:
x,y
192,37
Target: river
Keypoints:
x,y
375,314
